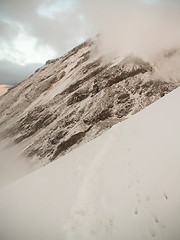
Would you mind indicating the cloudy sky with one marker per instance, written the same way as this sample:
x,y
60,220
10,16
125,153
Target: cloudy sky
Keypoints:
x,y
31,32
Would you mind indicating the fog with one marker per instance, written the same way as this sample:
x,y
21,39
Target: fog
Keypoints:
x,y
167,65
12,164
147,29
136,26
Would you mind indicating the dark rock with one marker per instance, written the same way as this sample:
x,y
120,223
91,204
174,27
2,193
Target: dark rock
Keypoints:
x,y
102,116
37,70
58,136
123,97
62,75
78,84
77,97
62,147
95,89
52,61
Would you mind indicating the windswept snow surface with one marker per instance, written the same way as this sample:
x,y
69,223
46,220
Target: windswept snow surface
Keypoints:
x,y
124,185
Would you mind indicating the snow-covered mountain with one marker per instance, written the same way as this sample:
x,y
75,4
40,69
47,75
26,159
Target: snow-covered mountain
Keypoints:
x,y
75,98
121,185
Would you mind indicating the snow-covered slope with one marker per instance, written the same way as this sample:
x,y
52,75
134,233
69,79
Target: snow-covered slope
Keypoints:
x,y
122,185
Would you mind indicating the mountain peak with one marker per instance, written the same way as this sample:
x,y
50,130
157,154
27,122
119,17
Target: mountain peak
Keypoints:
x,y
75,98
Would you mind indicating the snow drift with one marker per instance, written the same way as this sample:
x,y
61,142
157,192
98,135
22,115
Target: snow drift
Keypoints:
x,y
121,185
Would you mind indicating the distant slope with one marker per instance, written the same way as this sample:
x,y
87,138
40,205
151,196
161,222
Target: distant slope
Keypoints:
x,y
122,185
75,98
3,89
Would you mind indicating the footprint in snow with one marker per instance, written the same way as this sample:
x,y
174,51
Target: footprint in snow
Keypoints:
x,y
136,211
110,222
166,196
152,233
138,197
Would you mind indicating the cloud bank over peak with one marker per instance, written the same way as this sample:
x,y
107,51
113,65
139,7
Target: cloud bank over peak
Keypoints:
x,y
139,27
31,32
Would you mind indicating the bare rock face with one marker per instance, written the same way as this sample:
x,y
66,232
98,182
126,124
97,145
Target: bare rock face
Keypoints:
x,y
74,98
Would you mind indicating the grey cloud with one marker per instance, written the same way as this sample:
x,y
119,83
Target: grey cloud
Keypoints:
x,y
60,32
130,24
64,30
12,73
133,26
18,9
7,31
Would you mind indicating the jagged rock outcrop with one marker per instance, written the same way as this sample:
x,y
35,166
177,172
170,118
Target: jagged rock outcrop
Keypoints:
x,y
74,98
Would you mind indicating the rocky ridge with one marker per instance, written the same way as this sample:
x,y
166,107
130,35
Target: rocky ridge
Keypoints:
x,y
75,98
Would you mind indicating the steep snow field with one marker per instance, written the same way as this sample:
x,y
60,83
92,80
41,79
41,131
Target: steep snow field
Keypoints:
x,y
123,185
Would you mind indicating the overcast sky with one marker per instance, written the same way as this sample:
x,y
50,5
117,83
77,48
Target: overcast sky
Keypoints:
x,y
33,31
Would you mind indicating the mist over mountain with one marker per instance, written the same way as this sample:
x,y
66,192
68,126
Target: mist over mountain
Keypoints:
x,y
136,26
75,98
